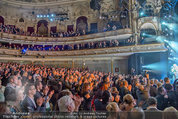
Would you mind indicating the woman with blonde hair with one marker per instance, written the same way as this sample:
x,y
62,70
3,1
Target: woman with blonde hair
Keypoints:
x,y
113,110
112,107
170,113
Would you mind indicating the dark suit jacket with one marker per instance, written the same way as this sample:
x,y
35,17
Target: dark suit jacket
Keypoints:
x,y
153,113
28,106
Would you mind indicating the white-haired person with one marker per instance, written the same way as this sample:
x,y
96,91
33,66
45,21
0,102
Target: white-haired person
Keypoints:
x,y
67,104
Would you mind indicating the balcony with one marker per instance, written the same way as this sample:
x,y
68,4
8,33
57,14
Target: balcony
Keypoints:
x,y
8,54
110,35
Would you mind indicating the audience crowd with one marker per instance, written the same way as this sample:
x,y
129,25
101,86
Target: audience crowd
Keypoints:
x,y
88,45
35,88
12,29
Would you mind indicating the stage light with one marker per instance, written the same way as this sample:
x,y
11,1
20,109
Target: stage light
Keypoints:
x,y
24,51
141,13
47,15
52,15
163,23
44,16
158,66
41,16
38,16
171,26
143,34
51,20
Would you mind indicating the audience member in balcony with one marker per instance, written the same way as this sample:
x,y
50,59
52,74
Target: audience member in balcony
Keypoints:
x,y
109,28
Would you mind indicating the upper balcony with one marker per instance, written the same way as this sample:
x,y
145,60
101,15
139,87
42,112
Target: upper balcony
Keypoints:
x,y
104,36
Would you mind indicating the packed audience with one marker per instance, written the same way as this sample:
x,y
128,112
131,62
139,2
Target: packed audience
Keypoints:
x,y
35,88
12,29
88,45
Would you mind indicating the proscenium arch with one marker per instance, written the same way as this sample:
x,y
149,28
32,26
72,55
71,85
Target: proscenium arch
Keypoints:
x,y
148,25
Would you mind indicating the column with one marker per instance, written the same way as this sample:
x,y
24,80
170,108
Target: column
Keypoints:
x,y
112,62
73,63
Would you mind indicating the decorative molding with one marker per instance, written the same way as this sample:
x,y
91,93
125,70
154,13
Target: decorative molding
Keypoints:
x,y
40,4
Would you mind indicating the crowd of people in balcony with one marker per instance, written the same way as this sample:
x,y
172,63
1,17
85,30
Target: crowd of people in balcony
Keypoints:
x,y
88,45
35,88
12,29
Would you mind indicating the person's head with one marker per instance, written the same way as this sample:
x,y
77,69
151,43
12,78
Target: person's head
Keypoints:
x,y
161,90
152,102
170,113
137,113
106,97
141,87
99,94
19,94
4,108
129,102
45,89
125,83
30,89
12,79
166,80
112,107
38,85
66,104
65,93
152,81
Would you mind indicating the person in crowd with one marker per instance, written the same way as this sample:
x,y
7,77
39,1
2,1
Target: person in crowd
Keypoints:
x,y
29,104
152,112
9,92
17,106
143,92
153,89
67,104
162,98
2,89
113,110
4,109
128,103
137,113
89,90
170,113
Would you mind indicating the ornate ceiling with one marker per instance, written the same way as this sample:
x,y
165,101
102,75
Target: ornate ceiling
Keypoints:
x,y
37,3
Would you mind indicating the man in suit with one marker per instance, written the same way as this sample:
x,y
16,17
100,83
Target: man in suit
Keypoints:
x,y
152,112
29,104
9,92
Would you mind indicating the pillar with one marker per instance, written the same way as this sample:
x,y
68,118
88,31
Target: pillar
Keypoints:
x,y
73,63
112,62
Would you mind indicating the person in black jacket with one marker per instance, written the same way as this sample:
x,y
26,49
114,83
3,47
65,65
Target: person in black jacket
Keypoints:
x,y
162,98
152,112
